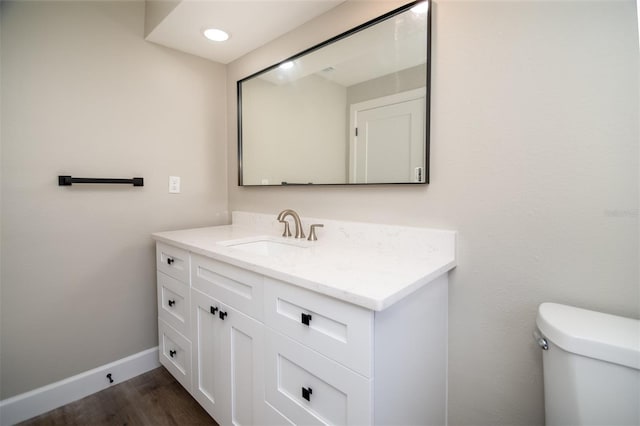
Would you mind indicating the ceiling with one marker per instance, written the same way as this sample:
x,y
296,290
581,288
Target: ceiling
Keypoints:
x,y
395,44
250,23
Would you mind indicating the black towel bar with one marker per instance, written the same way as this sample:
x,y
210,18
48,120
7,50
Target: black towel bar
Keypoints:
x,y
68,180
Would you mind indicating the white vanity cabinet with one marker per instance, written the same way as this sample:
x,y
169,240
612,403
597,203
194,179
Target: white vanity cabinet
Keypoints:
x,y
259,343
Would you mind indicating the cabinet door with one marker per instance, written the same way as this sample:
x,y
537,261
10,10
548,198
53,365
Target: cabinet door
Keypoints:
x,y
210,379
243,362
230,284
310,389
175,353
339,330
173,261
173,303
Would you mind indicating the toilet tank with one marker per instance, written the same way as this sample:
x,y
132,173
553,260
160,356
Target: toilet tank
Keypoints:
x,y
591,367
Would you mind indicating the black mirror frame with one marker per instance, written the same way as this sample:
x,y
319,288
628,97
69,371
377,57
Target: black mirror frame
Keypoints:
x,y
333,40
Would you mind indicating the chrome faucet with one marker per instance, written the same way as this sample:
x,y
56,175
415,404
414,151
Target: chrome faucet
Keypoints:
x,y
288,212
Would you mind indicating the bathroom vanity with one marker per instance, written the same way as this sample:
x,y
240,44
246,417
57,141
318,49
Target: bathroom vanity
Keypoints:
x,y
349,329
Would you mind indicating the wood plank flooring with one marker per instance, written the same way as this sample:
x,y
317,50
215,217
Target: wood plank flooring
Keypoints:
x,y
154,398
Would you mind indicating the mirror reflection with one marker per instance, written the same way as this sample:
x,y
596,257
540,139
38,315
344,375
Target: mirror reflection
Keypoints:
x,y
353,110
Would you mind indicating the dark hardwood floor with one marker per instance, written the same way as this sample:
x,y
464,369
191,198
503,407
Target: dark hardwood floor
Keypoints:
x,y
154,398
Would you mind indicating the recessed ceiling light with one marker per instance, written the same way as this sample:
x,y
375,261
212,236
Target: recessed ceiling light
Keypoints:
x,y
422,7
215,34
286,65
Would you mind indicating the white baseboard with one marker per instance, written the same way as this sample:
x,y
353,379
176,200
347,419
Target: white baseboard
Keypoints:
x,y
38,401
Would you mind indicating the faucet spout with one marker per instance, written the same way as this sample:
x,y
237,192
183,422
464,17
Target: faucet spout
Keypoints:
x,y
299,233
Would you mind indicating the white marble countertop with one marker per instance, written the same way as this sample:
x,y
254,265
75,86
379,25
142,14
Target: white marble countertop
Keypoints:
x,y
369,265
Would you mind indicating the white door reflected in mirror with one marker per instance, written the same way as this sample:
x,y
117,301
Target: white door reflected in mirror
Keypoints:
x,y
388,140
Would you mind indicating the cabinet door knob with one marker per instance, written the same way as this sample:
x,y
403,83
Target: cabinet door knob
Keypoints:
x,y
306,393
305,318
172,353
222,314
170,260
213,310
171,302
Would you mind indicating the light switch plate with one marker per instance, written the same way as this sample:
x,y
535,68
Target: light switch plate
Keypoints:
x,y
174,184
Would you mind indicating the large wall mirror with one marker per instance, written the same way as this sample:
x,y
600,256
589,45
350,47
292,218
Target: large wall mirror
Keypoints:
x,y
352,110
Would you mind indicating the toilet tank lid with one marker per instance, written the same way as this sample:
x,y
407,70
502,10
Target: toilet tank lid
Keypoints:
x,y
593,334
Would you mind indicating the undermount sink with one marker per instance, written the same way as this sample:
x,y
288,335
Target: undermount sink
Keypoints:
x,y
265,246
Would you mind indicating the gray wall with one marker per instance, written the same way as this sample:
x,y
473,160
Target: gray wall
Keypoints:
x,y
534,145
84,94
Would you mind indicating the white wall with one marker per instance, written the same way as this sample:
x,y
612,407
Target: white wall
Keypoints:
x,y
534,160
84,94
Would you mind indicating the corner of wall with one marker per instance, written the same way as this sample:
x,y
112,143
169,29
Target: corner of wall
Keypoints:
x,y
155,11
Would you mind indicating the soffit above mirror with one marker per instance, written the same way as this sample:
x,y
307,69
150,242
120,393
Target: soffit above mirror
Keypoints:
x,y
251,24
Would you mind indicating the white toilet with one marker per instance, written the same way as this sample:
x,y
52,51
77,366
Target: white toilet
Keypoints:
x,y
591,366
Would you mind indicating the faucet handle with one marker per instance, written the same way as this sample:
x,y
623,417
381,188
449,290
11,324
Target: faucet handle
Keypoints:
x,y
312,231
287,231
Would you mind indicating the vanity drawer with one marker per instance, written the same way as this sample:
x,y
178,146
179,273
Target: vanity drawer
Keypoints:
x,y
173,303
310,389
175,353
173,261
236,287
339,330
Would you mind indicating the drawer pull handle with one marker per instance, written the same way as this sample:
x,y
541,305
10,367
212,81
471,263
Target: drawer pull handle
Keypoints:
x,y
213,310
172,353
306,393
305,318
171,302
222,314
170,261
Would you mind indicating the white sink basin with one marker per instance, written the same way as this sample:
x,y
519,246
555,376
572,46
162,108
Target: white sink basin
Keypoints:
x,y
266,246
